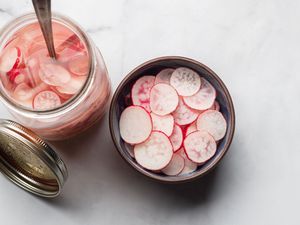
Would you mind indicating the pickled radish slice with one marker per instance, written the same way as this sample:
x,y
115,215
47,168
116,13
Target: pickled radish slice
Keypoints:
x,y
204,98
155,153
164,76
54,74
11,58
186,81
213,122
79,65
164,124
135,125
163,99
23,92
191,128
199,146
12,74
183,115
140,92
175,166
73,86
176,138
46,100
189,166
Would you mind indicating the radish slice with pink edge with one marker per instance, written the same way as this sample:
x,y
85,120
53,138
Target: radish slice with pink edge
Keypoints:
x,y
186,81
204,98
176,138
164,76
135,124
213,122
191,128
23,92
199,146
54,74
155,153
79,65
46,100
189,166
163,99
140,92
184,115
164,124
10,59
175,166
73,86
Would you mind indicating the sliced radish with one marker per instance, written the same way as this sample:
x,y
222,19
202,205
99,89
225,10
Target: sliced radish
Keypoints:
x,y
72,42
213,122
189,166
10,59
175,166
135,125
204,98
73,86
186,81
140,92
176,138
79,65
23,92
191,128
199,146
155,153
164,124
54,74
164,76
163,99
46,100
184,115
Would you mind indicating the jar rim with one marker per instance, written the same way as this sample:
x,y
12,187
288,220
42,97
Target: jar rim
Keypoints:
x,y
8,30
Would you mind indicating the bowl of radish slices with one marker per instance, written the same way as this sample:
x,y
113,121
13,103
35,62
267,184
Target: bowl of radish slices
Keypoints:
x,y
172,119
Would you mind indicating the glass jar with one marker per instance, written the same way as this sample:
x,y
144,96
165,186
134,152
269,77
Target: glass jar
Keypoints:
x,y
81,111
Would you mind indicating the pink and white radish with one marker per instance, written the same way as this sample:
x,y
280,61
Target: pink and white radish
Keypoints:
x,y
199,146
73,86
176,138
46,100
175,166
140,92
191,128
79,65
189,166
184,115
11,59
164,76
213,122
164,124
135,124
54,74
186,81
163,99
155,153
204,98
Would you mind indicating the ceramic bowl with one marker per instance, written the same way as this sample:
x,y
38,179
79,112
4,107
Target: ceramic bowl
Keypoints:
x,y
152,67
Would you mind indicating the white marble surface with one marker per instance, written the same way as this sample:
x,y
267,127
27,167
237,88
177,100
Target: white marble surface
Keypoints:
x,y
254,46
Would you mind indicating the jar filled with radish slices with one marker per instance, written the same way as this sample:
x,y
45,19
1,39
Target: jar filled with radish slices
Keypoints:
x,y
56,98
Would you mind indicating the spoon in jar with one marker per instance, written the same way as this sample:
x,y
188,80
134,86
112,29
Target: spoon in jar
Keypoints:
x,y
43,12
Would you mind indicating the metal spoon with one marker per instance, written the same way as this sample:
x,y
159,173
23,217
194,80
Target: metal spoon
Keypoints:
x,y
43,12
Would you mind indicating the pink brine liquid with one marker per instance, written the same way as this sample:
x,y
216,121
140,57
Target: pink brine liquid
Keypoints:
x,y
34,81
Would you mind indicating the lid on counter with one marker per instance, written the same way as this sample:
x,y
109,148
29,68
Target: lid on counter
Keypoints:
x,y
30,162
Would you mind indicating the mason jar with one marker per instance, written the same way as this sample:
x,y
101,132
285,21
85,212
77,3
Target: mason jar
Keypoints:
x,y
75,115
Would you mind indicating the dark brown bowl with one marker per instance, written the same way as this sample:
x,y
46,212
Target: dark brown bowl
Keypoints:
x,y
152,67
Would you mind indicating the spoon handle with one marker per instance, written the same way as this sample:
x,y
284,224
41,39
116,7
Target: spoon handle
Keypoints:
x,y
43,12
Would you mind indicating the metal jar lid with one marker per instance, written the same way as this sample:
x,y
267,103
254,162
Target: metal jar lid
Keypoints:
x,y
29,162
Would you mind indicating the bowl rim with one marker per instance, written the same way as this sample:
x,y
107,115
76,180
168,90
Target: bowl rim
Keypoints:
x,y
176,179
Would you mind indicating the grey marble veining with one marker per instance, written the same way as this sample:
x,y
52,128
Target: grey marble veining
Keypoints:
x,y
254,47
